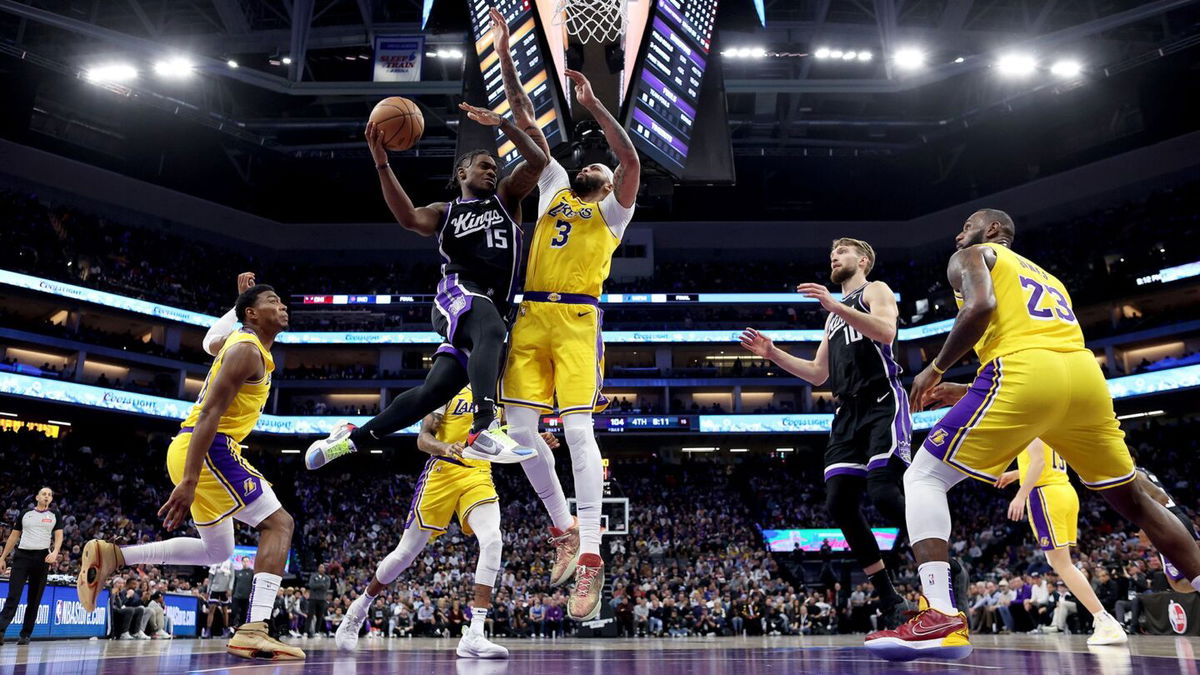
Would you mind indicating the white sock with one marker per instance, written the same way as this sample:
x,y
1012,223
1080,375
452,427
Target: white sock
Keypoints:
x,y
935,584
214,545
262,596
478,616
523,426
589,478
1196,583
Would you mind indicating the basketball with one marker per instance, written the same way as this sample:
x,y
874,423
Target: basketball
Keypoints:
x,y
400,120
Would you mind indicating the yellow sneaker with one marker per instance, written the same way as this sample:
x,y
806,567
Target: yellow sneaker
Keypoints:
x,y
100,559
251,641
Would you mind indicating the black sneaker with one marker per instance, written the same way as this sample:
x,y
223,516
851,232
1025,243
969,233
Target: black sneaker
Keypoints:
x,y
24,640
960,581
891,616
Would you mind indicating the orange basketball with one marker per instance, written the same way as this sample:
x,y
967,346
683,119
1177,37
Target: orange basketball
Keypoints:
x,y
401,122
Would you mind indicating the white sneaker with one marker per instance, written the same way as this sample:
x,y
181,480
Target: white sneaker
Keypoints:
x,y
496,446
476,646
346,637
140,636
125,636
336,444
1107,631
163,635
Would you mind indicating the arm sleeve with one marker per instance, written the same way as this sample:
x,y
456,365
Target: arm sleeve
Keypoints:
x,y
616,215
58,524
554,178
219,331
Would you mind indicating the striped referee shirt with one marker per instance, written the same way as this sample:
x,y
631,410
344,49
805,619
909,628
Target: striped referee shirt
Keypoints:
x,y
37,529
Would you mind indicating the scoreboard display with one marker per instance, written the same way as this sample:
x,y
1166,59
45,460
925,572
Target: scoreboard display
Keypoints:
x,y
619,423
532,65
665,96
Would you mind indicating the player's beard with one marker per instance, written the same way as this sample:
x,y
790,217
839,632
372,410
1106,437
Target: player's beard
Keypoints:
x,y
840,275
584,185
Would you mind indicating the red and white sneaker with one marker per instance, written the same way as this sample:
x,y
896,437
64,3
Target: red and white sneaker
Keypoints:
x,y
928,634
566,553
584,603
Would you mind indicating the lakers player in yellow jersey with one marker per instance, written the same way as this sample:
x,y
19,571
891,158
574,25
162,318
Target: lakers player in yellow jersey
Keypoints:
x,y
216,485
555,357
1053,509
1036,380
450,485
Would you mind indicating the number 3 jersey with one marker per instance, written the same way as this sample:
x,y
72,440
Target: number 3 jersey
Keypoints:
x,y
1033,310
857,364
480,243
574,240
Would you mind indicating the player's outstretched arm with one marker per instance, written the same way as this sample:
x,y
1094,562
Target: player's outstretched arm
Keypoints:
x,y
815,371
423,220
518,184
214,339
241,363
628,174
514,93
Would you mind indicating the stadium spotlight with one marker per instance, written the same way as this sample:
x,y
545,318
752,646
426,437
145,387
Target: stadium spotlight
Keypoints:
x,y
909,58
287,60
231,63
835,54
865,56
176,67
1016,65
1066,68
850,55
822,53
959,60
111,72
757,52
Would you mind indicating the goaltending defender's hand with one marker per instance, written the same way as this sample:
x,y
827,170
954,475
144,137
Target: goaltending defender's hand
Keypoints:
x,y
500,34
245,282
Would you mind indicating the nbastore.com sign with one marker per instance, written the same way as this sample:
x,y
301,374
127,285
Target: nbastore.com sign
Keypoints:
x,y
59,614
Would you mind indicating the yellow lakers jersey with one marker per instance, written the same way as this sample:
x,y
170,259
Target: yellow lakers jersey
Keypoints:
x,y
1033,310
1054,472
247,406
572,248
457,419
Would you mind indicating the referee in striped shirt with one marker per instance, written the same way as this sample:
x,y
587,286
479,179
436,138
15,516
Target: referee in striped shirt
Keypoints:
x,y
32,536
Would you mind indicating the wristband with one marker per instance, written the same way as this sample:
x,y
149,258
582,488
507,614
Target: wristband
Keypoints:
x,y
381,167
939,371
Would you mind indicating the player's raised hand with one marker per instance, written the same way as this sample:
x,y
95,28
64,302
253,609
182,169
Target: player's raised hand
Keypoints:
x,y
176,508
245,282
551,440
819,293
500,35
482,115
374,136
583,88
946,394
1016,508
757,343
1007,478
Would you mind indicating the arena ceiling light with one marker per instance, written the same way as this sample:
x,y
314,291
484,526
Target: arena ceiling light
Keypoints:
x,y
865,56
287,60
111,72
175,68
1134,416
739,449
290,452
822,53
1066,68
59,423
231,63
1016,65
691,450
8,414
909,58
785,449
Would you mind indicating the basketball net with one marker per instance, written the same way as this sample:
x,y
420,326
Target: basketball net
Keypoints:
x,y
593,20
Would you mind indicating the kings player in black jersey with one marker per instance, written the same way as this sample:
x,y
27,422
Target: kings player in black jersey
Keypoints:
x,y
1151,485
869,445
480,243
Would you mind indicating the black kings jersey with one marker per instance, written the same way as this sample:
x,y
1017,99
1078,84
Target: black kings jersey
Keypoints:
x,y
858,364
481,243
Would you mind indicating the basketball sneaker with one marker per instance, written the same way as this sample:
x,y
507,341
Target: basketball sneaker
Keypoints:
x,y
251,641
928,634
1107,631
495,445
99,560
566,553
347,633
584,604
336,444
475,646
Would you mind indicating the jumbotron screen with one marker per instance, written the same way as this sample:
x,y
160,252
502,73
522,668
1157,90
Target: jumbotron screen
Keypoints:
x,y
785,541
666,86
528,53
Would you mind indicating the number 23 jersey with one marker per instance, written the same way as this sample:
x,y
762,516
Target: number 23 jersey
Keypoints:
x,y
1033,310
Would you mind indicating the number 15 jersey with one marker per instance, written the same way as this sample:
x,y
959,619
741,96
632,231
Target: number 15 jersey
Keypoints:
x,y
574,240
1033,310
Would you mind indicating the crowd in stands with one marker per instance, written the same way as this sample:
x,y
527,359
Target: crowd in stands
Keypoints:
x,y
693,563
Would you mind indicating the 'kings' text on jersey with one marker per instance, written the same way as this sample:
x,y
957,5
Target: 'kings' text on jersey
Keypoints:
x,y
480,242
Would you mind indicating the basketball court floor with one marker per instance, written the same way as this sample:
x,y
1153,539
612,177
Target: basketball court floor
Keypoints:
x,y
1006,655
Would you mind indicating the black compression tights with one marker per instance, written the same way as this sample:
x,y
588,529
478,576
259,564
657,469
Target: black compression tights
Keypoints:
x,y
481,331
843,499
